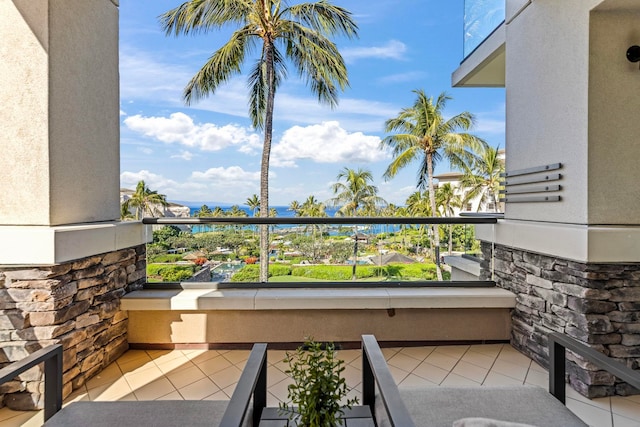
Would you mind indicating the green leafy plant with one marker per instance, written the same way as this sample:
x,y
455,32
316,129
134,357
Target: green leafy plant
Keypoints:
x,y
318,391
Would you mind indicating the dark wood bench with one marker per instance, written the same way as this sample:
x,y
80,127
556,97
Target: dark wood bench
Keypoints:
x,y
442,406
244,408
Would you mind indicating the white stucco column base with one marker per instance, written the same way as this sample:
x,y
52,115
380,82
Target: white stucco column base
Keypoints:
x,y
583,243
42,245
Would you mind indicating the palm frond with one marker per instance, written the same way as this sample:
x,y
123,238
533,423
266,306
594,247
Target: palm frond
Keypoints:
x,y
197,16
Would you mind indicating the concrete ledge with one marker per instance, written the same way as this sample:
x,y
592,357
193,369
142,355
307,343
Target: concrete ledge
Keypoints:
x,y
43,245
318,299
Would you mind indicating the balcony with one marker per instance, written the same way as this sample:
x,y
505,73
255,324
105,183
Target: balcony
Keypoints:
x,y
484,45
213,374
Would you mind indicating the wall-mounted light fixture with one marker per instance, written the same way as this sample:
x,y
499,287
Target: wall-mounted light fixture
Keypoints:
x,y
633,53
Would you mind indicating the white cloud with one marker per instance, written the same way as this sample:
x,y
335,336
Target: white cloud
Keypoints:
x,y
180,128
222,176
145,150
403,77
184,155
325,143
393,49
154,181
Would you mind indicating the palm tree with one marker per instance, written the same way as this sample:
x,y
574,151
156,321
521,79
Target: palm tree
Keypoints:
x,y
418,205
146,201
355,193
422,134
448,200
254,204
483,177
295,207
300,33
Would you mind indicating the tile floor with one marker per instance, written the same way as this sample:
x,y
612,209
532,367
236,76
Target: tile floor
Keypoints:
x,y
200,374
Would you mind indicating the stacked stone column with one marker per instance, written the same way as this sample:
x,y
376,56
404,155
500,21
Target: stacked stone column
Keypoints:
x,y
76,304
598,304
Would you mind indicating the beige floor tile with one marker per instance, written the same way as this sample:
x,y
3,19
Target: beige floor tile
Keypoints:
x,y
275,356
6,414
349,356
79,395
216,364
199,356
114,391
635,398
280,390
274,375
541,379
414,381
110,374
625,407
478,359
230,389
490,350
536,367
620,421
136,365
174,395
602,402
219,395
419,353
441,360
184,377
454,380
518,372
272,400
495,379
226,377
431,372
513,356
398,374
199,389
132,355
155,389
139,379
23,419
404,362
163,356
177,363
352,375
590,414
455,351
472,372
357,362
237,356
389,352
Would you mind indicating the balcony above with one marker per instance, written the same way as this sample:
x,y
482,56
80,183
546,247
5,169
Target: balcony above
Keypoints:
x,y
485,66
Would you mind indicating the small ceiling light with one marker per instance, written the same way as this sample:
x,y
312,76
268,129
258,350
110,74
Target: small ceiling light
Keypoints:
x,y
633,54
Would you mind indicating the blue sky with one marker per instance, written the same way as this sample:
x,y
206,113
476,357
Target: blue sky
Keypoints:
x,y
208,152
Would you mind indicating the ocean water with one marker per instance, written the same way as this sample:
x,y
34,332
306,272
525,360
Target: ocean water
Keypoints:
x,y
284,212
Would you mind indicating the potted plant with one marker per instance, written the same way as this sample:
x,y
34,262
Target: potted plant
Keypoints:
x,y
317,395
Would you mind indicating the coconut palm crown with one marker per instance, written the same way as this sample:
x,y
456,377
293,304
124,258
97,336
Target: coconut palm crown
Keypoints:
x,y
278,32
421,134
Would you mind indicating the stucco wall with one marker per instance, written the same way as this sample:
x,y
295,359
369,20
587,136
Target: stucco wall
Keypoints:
x,y
547,102
614,111
60,138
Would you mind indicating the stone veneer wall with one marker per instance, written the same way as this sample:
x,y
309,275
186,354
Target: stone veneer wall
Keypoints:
x,y
76,304
598,304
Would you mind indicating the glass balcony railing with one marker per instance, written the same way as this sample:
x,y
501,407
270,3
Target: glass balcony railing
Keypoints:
x,y
322,251
481,18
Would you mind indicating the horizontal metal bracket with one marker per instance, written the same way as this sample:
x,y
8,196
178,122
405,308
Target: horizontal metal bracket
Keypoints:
x,y
532,199
545,189
536,169
533,180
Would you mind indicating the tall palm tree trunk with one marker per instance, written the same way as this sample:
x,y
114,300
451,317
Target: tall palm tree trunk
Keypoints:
x,y
432,200
264,168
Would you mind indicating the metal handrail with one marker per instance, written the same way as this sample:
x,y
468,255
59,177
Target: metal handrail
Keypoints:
x,y
559,343
376,372
52,358
359,220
